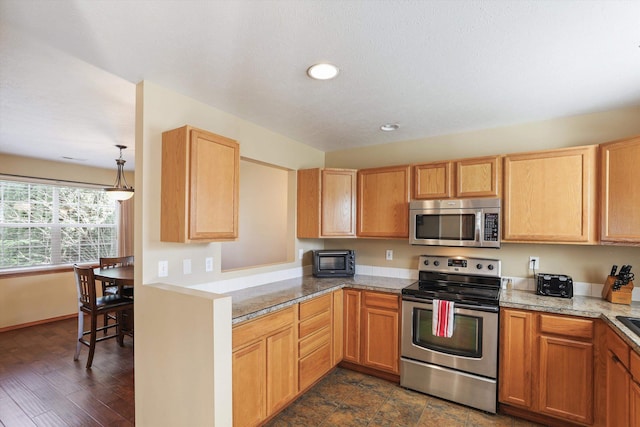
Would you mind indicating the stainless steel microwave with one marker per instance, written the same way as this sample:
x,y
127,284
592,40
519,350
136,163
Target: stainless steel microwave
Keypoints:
x,y
455,222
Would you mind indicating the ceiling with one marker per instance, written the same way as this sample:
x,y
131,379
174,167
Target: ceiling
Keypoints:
x,y
68,68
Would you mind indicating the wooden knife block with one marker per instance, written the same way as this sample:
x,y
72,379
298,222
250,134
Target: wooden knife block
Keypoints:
x,y
621,296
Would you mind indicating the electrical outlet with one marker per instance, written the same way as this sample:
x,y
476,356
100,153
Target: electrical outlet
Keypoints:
x,y
186,266
300,253
389,255
163,268
208,264
534,263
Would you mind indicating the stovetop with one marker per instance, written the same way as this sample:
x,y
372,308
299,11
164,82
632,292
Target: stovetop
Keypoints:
x,y
472,281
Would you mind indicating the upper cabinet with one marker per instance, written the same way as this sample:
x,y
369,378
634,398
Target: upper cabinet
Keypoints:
x,y
474,177
549,196
383,202
620,192
200,178
326,203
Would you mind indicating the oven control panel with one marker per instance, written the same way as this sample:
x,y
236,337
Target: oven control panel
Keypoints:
x,y
460,265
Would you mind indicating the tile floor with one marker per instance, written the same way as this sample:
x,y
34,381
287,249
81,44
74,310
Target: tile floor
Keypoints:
x,y
346,398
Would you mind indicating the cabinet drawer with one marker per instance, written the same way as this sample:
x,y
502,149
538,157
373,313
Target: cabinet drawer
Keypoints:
x,y
617,346
262,326
567,326
374,299
312,367
312,307
307,345
314,324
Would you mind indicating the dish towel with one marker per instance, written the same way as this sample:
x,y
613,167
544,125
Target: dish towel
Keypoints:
x,y
442,323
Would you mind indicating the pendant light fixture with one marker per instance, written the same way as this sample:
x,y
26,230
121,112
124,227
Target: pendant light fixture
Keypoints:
x,y
120,190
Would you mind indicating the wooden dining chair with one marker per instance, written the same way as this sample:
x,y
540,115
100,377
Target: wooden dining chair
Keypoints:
x,y
91,304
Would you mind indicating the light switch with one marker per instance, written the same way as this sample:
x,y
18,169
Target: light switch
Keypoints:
x,y
186,266
163,268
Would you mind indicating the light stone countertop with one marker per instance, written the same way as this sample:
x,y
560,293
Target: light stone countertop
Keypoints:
x,y
256,301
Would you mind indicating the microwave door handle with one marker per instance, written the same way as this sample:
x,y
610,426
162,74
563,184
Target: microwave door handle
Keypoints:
x,y
478,229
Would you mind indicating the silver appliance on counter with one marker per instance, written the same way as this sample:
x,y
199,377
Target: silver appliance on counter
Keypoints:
x,y
455,222
464,367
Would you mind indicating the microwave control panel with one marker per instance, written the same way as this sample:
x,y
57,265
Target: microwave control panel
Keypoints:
x,y
491,227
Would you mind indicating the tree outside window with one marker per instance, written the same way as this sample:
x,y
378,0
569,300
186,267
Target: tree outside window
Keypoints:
x,y
42,224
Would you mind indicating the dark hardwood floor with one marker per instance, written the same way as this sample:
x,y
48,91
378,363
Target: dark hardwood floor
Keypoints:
x,y
41,385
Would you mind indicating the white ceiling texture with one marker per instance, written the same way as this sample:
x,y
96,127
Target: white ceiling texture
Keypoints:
x,y
68,68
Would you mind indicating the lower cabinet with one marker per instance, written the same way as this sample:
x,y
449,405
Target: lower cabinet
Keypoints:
x,y
547,364
622,383
279,356
372,330
265,366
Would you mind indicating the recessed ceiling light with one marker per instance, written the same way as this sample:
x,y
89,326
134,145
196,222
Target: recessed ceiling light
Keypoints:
x,y
389,127
322,71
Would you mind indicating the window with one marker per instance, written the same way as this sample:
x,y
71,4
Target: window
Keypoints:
x,y
45,224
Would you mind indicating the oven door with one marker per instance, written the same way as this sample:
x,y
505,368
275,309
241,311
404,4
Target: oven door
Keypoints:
x,y
473,347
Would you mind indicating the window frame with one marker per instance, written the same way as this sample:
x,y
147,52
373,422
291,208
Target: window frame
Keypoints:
x,y
59,267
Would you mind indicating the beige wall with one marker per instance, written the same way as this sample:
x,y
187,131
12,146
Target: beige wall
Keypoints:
x,y
583,263
198,350
21,298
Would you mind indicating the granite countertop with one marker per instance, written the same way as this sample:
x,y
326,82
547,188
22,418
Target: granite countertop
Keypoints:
x,y
577,306
259,300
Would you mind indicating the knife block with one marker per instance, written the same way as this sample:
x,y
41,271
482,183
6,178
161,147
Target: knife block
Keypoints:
x,y
620,296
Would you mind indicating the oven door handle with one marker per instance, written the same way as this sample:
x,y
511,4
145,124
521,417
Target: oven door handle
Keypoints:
x,y
492,309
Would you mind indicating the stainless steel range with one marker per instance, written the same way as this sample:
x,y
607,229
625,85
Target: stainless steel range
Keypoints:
x,y
464,367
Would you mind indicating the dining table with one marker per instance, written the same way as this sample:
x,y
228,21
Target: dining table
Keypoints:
x,y
122,277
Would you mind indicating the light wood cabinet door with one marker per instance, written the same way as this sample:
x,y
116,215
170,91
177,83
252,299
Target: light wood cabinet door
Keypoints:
x,y
566,379
617,383
516,349
383,202
282,367
549,196
381,332
432,180
249,384
351,321
478,177
200,182
326,203
620,192
338,327
264,366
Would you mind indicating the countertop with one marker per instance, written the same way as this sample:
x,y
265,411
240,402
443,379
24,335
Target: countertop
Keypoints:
x,y
259,300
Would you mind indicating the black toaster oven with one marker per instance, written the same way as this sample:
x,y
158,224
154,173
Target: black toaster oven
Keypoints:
x,y
334,263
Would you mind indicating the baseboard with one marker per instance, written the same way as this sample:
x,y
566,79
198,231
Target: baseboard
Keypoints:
x,y
38,322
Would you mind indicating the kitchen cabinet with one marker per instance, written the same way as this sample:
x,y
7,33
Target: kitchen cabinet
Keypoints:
x,y
465,178
549,196
326,203
383,202
547,364
372,330
265,366
315,340
200,178
622,382
620,192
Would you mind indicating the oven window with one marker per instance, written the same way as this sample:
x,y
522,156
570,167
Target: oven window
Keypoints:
x,y
332,262
446,227
466,339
